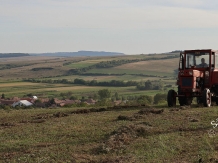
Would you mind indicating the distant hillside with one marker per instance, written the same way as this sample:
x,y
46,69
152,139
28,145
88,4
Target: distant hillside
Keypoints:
x,y
7,55
79,53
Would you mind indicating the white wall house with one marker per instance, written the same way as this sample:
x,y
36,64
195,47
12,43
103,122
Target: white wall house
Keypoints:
x,y
22,103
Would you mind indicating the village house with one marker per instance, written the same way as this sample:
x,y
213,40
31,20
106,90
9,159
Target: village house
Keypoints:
x,y
118,102
64,102
7,102
22,103
44,102
16,101
90,101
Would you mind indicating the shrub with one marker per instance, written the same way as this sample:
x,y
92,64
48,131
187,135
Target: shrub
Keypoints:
x,y
160,98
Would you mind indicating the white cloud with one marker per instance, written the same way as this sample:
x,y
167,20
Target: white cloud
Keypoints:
x,y
113,18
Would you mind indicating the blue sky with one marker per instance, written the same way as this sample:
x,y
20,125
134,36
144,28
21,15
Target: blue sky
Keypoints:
x,y
128,26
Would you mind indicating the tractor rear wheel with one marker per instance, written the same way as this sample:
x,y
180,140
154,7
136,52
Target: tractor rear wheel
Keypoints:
x,y
171,98
206,98
216,100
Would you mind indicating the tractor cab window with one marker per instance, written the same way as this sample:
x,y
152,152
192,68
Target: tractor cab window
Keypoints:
x,y
189,60
216,60
181,61
198,60
202,61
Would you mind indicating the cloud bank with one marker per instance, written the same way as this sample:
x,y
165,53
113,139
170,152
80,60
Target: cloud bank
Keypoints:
x,y
71,25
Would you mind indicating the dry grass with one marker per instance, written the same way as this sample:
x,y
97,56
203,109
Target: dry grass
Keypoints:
x,y
166,66
15,84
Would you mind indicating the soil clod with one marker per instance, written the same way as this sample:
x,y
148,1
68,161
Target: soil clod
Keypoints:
x,y
154,111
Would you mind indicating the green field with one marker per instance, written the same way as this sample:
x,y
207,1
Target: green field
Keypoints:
x,y
21,89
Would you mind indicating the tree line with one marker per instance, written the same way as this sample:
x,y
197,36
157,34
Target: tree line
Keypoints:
x,y
114,83
105,97
150,85
112,74
147,85
8,55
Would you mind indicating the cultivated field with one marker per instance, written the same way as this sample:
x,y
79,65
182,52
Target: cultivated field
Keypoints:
x,y
155,66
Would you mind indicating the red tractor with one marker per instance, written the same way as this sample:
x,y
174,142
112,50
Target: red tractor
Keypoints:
x,y
197,77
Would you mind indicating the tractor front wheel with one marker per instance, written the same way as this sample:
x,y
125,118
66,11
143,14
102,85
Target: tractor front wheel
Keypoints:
x,y
171,98
206,98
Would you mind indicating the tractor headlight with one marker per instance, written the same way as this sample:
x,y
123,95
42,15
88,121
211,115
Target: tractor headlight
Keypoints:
x,y
206,73
190,73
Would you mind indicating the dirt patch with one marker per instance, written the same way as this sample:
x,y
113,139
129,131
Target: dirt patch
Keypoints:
x,y
124,118
119,139
60,114
141,114
45,144
185,107
42,116
81,111
129,118
193,120
152,110
9,155
117,160
8,124
85,111
47,116
37,121
216,147
82,158
174,109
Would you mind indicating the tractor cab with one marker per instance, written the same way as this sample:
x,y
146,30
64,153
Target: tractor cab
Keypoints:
x,y
197,77
196,59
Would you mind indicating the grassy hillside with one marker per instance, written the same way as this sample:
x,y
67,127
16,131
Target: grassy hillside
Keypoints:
x,y
117,135
14,71
164,66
